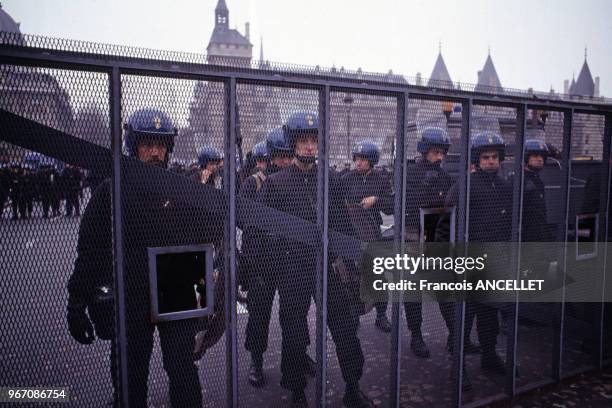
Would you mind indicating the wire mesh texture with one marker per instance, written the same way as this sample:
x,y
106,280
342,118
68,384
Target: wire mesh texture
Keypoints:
x,y
286,172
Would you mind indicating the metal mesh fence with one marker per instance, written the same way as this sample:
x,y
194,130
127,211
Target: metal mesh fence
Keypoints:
x,y
542,220
120,187
584,257
42,203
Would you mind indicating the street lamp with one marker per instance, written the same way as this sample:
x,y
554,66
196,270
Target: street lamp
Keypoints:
x,y
348,100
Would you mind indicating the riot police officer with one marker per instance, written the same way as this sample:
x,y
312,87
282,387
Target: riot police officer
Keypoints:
x,y
257,273
427,184
28,191
260,155
72,182
152,219
4,185
366,193
294,191
534,226
210,162
16,188
48,182
490,220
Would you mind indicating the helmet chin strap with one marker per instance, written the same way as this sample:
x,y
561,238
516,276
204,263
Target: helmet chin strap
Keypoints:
x,y
534,169
306,159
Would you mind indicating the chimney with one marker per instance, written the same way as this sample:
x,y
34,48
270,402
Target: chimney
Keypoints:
x,y
596,87
418,79
247,30
566,87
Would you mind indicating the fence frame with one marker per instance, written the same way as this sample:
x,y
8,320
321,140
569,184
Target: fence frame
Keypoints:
x,y
117,66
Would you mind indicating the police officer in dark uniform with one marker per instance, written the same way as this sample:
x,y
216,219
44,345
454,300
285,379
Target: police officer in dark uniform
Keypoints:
x,y
48,183
152,219
28,191
294,191
16,188
427,184
490,220
260,155
258,274
4,185
72,180
210,162
366,193
534,227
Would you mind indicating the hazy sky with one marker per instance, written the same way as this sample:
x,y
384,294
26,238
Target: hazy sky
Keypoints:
x,y
533,43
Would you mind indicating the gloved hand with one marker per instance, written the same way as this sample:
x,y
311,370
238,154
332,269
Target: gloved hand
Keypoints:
x,y
79,324
207,338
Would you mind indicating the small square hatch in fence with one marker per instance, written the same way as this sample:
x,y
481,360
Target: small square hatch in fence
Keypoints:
x,y
181,282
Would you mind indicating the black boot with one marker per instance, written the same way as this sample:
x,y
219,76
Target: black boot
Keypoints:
x,y
354,398
418,346
492,364
298,399
256,376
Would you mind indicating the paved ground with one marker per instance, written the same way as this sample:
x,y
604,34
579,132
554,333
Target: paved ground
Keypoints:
x,y
36,257
590,390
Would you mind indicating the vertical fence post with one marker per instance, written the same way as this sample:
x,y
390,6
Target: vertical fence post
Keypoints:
x,y
399,215
515,263
116,143
604,205
462,233
566,169
322,222
229,177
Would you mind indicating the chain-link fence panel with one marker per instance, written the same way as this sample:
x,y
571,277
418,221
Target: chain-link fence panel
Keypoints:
x,y
544,189
585,253
607,322
48,339
490,221
276,272
433,132
363,129
172,209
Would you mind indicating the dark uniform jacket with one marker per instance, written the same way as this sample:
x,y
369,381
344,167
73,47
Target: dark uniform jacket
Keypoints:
x,y
490,210
48,182
534,223
294,192
16,185
356,186
152,220
71,179
427,185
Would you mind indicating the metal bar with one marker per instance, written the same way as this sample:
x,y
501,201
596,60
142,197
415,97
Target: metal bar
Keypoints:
x,y
120,312
566,168
323,223
463,228
517,222
95,62
229,177
604,207
399,218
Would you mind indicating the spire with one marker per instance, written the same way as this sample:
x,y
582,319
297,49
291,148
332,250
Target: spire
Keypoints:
x,y
221,15
439,76
584,86
585,53
487,78
440,47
